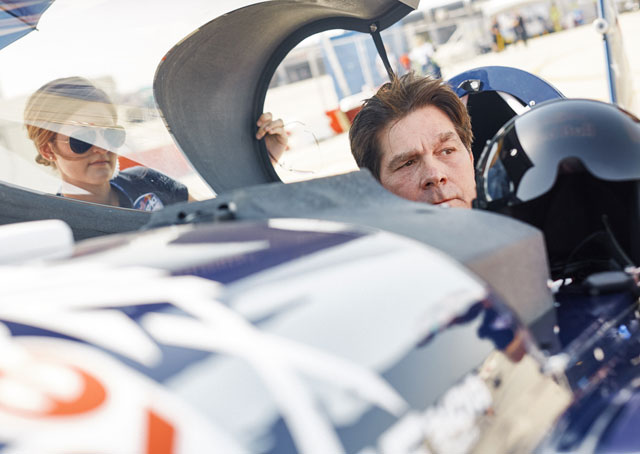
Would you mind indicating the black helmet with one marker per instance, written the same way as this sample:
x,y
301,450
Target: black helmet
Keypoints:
x,y
571,168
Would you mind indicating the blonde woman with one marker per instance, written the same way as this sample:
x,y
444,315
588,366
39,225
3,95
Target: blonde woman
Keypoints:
x,y
74,126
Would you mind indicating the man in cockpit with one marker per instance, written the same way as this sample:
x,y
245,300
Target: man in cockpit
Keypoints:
x,y
415,136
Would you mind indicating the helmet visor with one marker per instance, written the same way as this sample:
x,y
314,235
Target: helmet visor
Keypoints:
x,y
522,161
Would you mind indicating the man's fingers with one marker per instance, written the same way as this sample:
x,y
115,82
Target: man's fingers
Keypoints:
x,y
265,118
275,127
279,133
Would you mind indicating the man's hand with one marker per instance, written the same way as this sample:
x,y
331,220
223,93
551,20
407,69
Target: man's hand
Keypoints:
x,y
275,137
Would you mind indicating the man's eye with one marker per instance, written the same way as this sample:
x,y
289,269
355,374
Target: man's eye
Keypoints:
x,y
410,162
447,151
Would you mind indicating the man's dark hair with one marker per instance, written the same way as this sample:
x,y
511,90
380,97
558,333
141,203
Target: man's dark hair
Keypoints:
x,y
394,101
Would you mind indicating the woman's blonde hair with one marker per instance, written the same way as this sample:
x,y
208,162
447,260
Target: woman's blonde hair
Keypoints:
x,y
54,103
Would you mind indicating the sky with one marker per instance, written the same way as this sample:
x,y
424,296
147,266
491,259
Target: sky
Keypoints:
x,y
74,36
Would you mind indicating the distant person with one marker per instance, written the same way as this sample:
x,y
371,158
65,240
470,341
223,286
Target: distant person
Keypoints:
x,y
422,58
74,126
519,29
414,135
496,35
578,17
555,17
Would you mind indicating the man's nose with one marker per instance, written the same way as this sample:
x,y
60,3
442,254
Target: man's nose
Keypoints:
x,y
433,175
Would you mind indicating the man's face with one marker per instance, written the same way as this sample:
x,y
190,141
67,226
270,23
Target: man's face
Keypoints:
x,y
423,159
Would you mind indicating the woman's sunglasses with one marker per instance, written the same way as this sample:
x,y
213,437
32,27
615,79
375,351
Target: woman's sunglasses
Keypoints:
x,y
83,138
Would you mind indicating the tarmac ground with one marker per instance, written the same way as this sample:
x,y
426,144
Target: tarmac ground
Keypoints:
x,y
572,60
